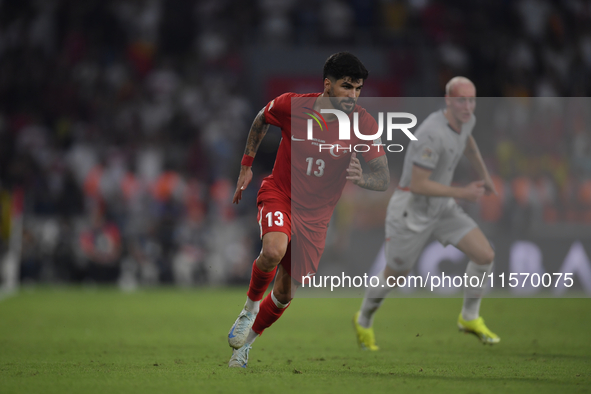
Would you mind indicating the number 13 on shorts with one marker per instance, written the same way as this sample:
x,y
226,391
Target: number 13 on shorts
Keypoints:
x,y
274,217
278,221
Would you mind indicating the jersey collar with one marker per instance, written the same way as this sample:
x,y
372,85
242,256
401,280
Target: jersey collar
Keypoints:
x,y
448,125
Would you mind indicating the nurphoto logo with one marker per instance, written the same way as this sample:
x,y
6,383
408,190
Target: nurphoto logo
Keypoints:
x,y
345,130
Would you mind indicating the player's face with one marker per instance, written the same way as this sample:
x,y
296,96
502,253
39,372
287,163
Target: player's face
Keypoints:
x,y
344,93
461,101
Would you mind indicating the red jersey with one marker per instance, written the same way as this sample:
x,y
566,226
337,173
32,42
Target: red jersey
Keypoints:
x,y
314,178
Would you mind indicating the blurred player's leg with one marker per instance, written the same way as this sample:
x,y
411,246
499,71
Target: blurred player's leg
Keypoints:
x,y
374,297
263,272
402,249
363,320
473,296
478,249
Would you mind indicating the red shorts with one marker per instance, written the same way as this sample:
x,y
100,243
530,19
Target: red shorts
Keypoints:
x,y
305,246
274,210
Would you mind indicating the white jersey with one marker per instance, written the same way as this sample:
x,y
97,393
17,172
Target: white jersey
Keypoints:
x,y
438,148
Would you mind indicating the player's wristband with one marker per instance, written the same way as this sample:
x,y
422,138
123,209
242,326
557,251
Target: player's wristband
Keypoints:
x,y
247,160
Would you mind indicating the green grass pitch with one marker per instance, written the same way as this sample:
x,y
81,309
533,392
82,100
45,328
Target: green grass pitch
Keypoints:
x,y
71,340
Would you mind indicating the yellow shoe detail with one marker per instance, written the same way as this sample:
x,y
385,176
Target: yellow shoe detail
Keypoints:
x,y
478,328
365,336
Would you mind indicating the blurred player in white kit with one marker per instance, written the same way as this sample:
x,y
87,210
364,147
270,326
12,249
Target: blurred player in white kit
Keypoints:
x,y
423,205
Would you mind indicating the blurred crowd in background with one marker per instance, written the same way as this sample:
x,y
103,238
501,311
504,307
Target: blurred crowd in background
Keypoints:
x,y
123,122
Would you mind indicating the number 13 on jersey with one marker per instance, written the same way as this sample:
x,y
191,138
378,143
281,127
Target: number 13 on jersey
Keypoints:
x,y
318,170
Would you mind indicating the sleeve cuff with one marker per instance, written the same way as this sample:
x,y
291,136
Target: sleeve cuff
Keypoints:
x,y
423,166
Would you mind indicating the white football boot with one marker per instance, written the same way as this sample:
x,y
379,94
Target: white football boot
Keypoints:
x,y
239,331
239,357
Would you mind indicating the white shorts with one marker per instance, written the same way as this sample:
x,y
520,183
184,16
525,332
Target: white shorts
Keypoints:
x,y
404,245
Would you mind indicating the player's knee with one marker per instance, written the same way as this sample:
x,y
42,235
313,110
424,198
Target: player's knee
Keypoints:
x,y
490,256
272,253
487,257
394,273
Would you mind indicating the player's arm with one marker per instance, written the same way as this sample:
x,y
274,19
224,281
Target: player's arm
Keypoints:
x,y
255,136
473,154
378,177
421,184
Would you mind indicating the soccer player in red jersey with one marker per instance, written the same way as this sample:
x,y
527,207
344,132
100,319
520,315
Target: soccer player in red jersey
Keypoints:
x,y
296,201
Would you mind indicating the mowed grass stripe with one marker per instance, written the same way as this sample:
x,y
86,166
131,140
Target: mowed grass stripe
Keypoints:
x,y
168,340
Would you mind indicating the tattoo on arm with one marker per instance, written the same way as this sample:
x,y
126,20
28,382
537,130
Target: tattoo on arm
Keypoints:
x,y
257,132
379,177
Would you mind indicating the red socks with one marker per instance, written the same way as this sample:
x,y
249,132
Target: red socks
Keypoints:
x,y
268,314
268,311
259,281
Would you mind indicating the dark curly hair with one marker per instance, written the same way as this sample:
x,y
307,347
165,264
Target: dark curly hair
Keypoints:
x,y
344,64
